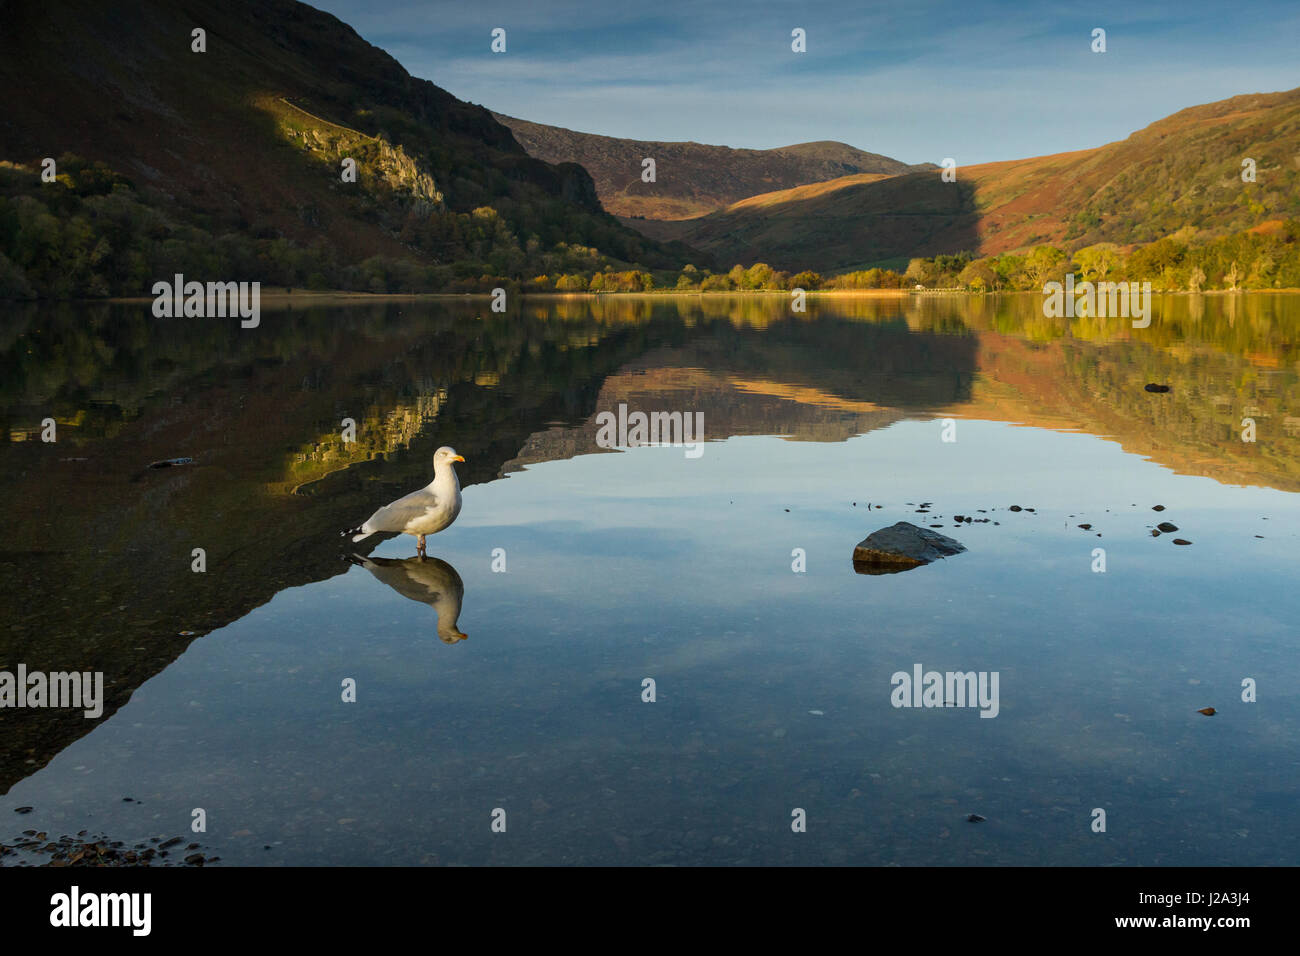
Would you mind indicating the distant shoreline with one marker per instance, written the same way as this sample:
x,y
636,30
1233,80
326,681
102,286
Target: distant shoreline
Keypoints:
x,y
281,295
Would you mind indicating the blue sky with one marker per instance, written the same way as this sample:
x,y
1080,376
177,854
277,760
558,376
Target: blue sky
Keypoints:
x,y
922,80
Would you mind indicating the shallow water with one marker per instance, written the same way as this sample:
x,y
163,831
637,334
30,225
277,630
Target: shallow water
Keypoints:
x,y
773,687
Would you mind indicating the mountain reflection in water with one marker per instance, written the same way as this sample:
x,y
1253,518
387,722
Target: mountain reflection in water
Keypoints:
x,y
97,557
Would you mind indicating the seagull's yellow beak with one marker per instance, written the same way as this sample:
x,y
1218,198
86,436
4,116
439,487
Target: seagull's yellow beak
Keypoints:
x,y
459,458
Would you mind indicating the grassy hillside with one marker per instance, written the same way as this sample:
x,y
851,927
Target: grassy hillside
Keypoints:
x,y
692,179
1181,173
230,159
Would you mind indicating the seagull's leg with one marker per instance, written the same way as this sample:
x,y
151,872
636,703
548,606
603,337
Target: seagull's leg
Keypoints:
x,y
419,546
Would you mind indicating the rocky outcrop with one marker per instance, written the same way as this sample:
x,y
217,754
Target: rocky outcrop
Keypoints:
x,y
901,547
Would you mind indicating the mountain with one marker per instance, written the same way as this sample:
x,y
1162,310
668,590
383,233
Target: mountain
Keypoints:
x,y
691,179
1184,170
231,158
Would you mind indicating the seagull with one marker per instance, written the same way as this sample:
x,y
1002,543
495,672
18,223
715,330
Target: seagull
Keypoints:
x,y
423,512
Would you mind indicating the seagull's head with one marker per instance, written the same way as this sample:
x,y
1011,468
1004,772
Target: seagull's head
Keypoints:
x,y
445,456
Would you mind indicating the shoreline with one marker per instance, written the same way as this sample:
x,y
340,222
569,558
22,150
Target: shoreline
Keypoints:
x,y
280,295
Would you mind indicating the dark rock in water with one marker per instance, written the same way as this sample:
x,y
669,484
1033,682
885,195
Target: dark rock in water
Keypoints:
x,y
1155,533
1157,507
22,809
1181,541
975,818
1015,508
171,462
901,547
1167,527
1086,527
1157,388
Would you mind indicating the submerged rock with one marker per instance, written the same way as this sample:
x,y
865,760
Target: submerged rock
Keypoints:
x,y
1167,526
901,547
1153,387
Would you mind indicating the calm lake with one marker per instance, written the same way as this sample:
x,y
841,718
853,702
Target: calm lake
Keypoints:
x,y
724,576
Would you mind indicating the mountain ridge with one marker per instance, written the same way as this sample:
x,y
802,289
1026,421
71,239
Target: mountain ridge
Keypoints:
x,y
691,178
1181,171
242,142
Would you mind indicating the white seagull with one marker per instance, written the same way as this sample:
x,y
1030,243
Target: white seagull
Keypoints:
x,y
423,512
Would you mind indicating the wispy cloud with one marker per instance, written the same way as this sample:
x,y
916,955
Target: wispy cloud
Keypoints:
x,y
980,81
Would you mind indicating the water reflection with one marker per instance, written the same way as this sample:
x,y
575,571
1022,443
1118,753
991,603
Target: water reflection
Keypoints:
x,y
257,414
430,581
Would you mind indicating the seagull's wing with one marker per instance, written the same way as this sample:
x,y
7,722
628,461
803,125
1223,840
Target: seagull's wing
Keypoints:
x,y
396,516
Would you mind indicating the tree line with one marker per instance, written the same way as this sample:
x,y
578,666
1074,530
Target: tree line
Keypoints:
x,y
90,234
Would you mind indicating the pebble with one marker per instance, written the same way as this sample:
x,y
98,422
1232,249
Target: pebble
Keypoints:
x,y
78,851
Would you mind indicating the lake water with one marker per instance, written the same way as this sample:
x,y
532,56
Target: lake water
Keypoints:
x,y
772,685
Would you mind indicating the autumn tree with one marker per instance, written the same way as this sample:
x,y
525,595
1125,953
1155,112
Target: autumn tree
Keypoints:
x,y
1098,261
1043,264
978,275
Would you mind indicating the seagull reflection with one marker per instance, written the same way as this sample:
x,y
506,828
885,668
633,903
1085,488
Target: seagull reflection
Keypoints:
x,y
430,581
